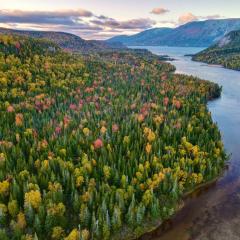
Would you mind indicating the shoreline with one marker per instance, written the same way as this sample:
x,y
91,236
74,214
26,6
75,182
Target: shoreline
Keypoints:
x,y
152,225
149,226
214,64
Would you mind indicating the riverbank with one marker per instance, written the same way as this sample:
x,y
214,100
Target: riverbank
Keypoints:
x,y
215,64
226,62
150,226
212,213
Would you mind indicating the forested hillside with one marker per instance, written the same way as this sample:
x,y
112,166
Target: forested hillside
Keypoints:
x,y
95,147
226,52
66,41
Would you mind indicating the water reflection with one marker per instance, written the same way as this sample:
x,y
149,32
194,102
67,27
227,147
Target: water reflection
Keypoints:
x,y
214,214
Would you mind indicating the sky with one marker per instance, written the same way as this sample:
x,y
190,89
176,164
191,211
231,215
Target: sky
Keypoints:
x,y
102,19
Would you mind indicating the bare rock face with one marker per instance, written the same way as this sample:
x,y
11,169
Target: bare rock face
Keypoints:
x,y
224,41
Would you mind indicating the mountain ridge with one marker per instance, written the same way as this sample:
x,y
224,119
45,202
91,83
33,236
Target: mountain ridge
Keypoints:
x,y
192,34
66,41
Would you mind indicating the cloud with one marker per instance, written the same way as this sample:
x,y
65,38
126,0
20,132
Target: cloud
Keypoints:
x,y
59,13
172,22
66,17
73,18
159,11
187,17
141,23
209,17
85,23
80,22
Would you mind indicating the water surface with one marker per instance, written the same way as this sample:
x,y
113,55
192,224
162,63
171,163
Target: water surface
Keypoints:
x,y
213,214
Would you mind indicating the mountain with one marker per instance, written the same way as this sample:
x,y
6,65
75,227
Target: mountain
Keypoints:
x,y
226,52
150,36
66,41
194,34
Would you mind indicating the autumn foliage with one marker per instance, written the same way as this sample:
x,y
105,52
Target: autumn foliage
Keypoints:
x,y
90,145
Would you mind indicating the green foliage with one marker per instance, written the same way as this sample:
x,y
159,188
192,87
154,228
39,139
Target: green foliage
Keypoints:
x,y
91,143
225,53
3,234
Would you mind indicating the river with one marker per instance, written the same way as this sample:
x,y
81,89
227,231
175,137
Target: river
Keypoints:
x,y
214,213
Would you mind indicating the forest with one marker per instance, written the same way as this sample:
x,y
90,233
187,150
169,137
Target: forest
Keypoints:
x,y
225,53
93,146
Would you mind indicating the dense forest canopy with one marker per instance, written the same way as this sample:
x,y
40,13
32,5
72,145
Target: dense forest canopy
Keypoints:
x,y
94,146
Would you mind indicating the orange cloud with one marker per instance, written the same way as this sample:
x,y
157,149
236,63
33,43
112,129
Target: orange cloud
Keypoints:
x,y
159,11
187,17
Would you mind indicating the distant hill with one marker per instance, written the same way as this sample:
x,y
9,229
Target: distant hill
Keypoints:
x,y
194,34
226,52
66,41
25,47
150,36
